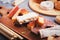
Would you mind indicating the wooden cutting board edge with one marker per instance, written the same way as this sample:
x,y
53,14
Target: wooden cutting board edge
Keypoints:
x,y
37,10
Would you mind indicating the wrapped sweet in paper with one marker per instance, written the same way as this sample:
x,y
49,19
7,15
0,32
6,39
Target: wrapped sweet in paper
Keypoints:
x,y
47,5
54,31
27,17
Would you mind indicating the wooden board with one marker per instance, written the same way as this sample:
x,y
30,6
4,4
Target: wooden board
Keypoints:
x,y
22,30
34,5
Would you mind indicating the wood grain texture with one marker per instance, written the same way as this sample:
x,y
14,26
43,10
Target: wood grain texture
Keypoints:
x,y
21,30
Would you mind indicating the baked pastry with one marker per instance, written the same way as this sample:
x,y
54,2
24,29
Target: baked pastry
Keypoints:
x,y
53,31
27,17
40,21
20,12
13,11
24,11
47,5
57,19
15,15
57,5
31,25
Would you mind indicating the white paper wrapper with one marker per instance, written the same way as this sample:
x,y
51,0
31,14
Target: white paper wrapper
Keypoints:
x,y
56,27
27,17
54,31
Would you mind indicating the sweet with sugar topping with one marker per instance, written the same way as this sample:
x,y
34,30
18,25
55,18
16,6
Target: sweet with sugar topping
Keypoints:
x,y
47,5
40,21
29,17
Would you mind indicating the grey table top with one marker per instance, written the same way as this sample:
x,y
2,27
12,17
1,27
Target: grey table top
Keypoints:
x,y
23,5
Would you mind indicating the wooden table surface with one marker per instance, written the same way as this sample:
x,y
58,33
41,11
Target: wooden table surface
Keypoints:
x,y
23,5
